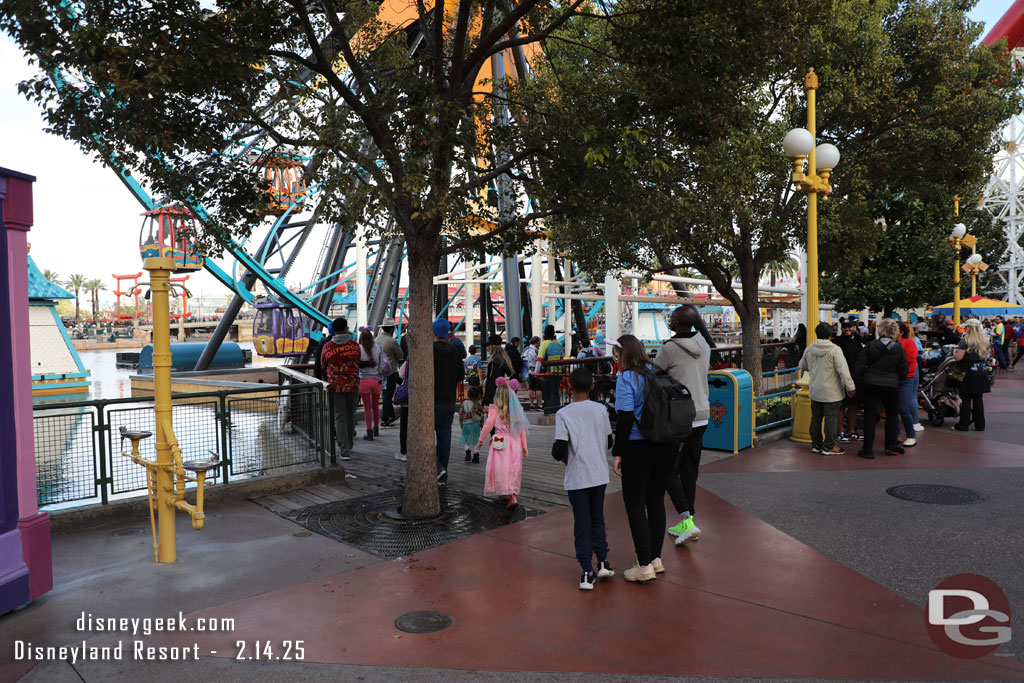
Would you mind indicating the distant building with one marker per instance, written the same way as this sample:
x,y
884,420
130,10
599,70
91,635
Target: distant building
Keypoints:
x,y
57,370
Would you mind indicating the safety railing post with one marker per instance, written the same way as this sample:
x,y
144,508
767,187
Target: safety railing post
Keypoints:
x,y
224,425
101,428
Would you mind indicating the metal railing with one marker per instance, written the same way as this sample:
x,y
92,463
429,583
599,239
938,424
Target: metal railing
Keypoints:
x,y
256,429
777,404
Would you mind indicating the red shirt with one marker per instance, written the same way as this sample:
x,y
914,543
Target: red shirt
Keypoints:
x,y
910,348
341,365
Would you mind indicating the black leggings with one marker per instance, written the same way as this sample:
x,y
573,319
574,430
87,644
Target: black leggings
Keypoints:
x,y
972,409
646,468
887,396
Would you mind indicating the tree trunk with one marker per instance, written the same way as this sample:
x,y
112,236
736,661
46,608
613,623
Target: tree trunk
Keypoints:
x,y
421,494
750,325
77,304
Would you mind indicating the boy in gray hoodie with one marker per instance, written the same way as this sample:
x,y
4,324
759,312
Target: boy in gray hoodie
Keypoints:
x,y
686,357
830,375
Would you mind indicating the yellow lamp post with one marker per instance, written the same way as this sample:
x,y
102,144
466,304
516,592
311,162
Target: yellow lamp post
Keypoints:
x,y
957,239
799,146
167,250
973,267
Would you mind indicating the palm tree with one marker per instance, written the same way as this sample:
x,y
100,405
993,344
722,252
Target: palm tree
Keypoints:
x,y
52,276
787,266
76,283
95,287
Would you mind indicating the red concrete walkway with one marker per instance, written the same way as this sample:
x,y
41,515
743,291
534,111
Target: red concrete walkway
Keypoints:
x,y
746,600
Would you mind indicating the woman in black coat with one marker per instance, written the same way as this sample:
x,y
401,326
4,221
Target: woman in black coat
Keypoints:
x,y
881,365
498,365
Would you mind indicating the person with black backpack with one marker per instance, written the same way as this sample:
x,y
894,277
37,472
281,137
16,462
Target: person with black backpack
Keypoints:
x,y
644,465
686,357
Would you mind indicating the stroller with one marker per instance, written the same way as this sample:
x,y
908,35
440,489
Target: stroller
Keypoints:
x,y
938,395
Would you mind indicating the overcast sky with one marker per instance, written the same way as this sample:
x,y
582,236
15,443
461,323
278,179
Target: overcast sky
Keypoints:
x,y
86,221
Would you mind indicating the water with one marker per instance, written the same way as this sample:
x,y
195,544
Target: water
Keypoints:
x,y
65,439
110,381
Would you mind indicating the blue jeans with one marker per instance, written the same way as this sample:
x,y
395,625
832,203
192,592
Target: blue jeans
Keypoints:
x,y
444,413
1000,352
908,404
588,525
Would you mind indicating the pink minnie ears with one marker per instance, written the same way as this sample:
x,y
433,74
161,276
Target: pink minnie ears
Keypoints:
x,y
512,384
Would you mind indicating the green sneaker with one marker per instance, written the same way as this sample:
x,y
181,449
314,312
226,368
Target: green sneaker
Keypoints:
x,y
678,529
690,532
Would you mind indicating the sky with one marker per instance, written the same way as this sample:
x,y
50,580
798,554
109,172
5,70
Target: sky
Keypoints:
x,y
86,221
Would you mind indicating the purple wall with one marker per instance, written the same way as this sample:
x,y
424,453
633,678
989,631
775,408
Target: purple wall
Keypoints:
x,y
25,560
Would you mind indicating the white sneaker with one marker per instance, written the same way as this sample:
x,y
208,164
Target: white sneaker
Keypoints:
x,y
400,456
640,573
918,427
344,457
587,582
657,565
910,442
604,570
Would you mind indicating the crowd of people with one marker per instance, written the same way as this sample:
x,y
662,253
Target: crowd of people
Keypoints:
x,y
853,368
868,369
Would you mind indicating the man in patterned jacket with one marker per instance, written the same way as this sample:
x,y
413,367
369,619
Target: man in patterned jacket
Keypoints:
x,y
340,360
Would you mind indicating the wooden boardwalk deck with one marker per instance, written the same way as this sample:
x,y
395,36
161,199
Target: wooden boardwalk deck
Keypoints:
x,y
373,468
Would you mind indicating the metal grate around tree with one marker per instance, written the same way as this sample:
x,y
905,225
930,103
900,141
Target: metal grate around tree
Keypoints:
x,y
365,522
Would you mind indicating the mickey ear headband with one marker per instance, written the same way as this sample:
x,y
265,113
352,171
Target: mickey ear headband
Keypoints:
x,y
366,328
615,343
512,384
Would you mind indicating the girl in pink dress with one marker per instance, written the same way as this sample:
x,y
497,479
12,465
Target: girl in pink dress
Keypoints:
x,y
505,417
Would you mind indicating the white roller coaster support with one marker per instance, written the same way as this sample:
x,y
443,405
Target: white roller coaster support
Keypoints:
x,y
567,308
360,277
551,277
707,283
469,311
635,306
536,290
612,312
1003,198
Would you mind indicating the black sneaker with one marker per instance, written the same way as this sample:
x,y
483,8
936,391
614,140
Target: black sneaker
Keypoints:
x,y
894,450
815,449
469,456
866,454
604,569
587,581
476,458
844,437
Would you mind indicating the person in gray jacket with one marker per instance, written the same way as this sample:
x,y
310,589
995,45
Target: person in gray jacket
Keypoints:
x,y
830,375
686,357
386,340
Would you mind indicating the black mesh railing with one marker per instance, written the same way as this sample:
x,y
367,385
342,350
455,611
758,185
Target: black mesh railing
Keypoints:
x,y
255,430
66,462
267,432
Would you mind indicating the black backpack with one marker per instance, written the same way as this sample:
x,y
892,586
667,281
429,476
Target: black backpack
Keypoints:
x,y
668,410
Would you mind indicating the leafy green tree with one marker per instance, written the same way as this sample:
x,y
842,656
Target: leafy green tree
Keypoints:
x,y
686,166
52,276
396,113
76,283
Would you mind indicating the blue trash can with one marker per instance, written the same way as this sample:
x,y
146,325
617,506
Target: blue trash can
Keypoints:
x,y
731,422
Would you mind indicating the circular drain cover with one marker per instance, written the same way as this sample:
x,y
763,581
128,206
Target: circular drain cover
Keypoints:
x,y
936,494
133,531
423,622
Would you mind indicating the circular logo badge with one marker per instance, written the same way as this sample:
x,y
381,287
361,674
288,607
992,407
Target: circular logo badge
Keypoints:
x,y
968,616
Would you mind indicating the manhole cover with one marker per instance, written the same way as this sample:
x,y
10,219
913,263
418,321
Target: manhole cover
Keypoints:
x,y
936,494
134,531
423,622
370,522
